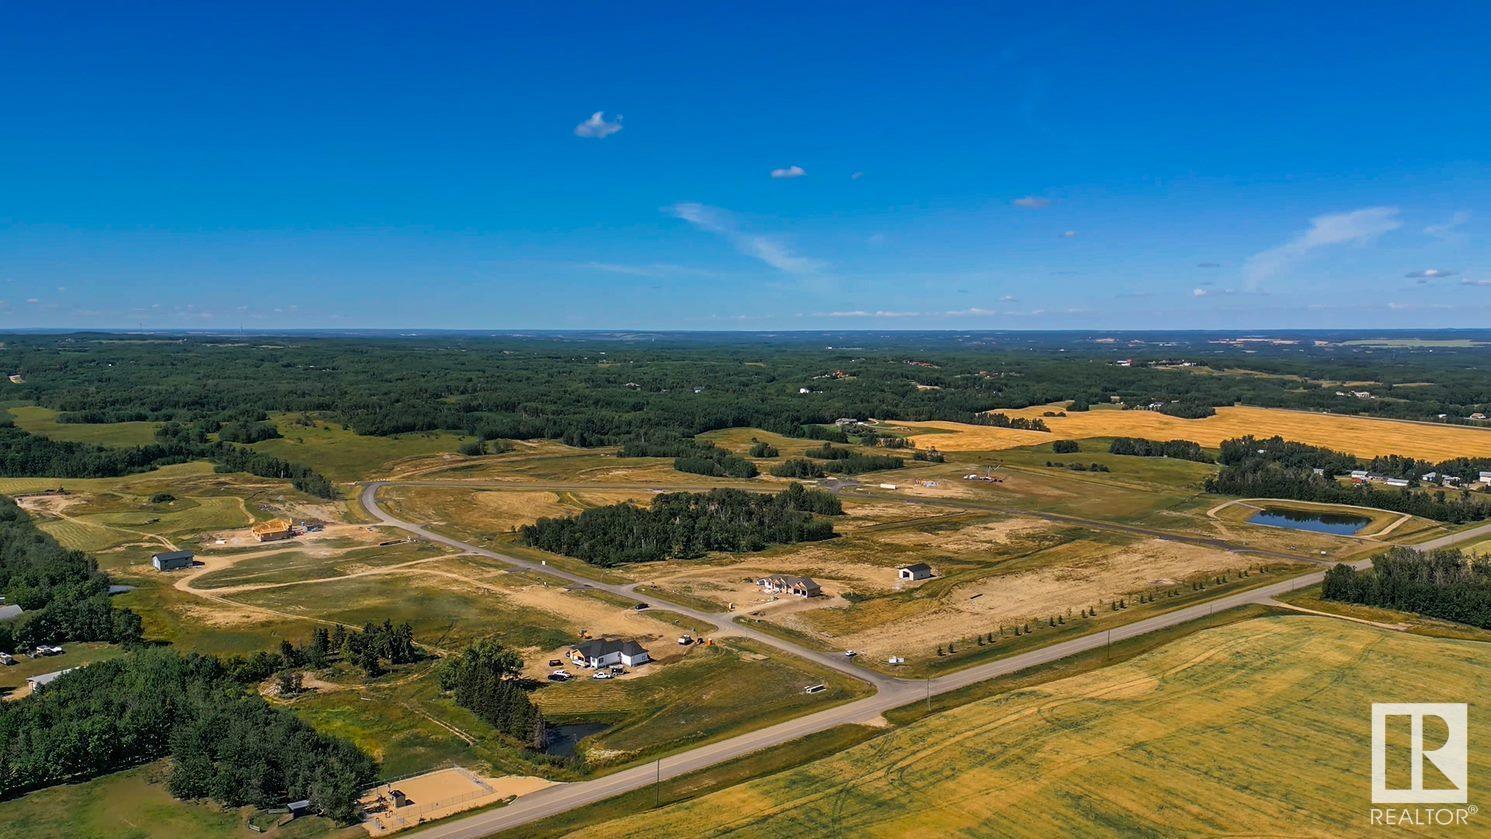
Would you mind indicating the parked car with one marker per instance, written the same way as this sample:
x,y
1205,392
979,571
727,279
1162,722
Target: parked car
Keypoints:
x,y
7,659
601,674
560,676
850,653
685,640
554,662
640,606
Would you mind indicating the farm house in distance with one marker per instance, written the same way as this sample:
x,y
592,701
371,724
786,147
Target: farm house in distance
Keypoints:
x,y
599,654
795,586
916,571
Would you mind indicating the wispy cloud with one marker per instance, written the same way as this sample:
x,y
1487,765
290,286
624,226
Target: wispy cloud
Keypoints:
x,y
653,269
769,249
1009,298
1032,202
788,172
597,128
1469,281
1429,274
861,313
1355,227
856,176
1211,292
1446,231
1208,265
1069,234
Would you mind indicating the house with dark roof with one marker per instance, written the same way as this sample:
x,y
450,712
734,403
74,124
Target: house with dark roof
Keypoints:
x,y
172,560
916,571
786,584
604,653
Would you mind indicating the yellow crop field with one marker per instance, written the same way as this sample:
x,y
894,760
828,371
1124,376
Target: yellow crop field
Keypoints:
x,y
1361,436
1260,727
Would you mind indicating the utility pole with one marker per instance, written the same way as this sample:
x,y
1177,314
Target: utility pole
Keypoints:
x,y
657,786
1109,649
929,694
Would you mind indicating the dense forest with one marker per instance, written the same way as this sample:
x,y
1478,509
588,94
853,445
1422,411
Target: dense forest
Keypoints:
x,y
684,525
63,594
225,742
1278,468
484,679
600,388
1442,584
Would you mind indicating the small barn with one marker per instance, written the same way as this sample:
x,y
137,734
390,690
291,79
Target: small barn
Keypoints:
x,y
172,560
273,530
917,571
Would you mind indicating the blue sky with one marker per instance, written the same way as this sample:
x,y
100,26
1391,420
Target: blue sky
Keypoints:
x,y
766,166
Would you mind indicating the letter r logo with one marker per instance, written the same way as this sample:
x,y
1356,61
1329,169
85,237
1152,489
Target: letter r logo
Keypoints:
x,y
1451,757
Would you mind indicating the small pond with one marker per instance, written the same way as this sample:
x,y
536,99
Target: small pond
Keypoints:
x,y
1337,524
564,738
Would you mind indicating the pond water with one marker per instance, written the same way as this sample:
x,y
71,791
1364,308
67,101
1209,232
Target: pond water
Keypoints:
x,y
1338,524
564,738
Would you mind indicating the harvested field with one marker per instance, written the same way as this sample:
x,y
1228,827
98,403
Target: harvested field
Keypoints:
x,y
1052,581
1210,734
497,511
1360,436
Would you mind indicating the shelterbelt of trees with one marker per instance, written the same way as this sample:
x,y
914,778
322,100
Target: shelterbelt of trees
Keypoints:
x,y
686,525
225,741
1278,468
1442,584
28,455
597,388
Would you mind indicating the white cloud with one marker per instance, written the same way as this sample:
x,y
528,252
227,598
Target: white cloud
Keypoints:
x,y
1032,202
1429,274
1446,231
971,312
861,313
1355,227
793,171
32,300
1009,298
856,176
596,127
1469,281
768,249
1070,234
652,269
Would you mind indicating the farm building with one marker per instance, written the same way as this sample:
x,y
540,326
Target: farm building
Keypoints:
x,y
916,571
795,586
607,653
273,530
172,560
41,681
10,612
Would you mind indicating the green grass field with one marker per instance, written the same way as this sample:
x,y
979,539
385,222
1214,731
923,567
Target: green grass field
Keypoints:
x,y
342,455
43,423
74,655
714,693
296,566
134,804
1213,733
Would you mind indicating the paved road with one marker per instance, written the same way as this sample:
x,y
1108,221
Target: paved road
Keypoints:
x,y
890,692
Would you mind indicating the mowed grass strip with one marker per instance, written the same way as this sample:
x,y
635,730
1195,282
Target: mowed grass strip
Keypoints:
x,y
1361,436
1214,733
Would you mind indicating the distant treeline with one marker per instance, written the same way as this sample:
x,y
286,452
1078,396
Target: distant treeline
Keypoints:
x,y
685,525
1442,584
1006,421
63,594
1178,449
1276,468
839,462
30,455
606,389
693,456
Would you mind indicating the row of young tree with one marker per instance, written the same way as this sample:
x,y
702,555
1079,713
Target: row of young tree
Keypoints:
x,y
63,595
28,455
1444,584
683,525
225,742
1178,449
692,456
1000,420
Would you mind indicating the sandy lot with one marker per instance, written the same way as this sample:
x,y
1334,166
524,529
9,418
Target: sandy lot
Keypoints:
x,y
438,794
1363,437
